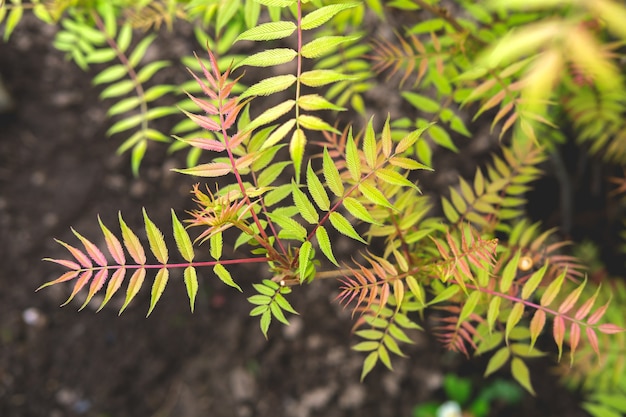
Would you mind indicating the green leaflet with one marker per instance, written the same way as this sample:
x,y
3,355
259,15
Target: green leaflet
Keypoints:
x,y
223,274
268,31
268,58
498,360
318,78
323,240
110,74
270,86
114,284
358,210
343,226
316,189
296,150
331,175
276,3
191,283
312,102
304,259
520,372
315,123
269,115
160,281
155,238
374,195
322,15
305,207
291,229
140,50
324,45
353,160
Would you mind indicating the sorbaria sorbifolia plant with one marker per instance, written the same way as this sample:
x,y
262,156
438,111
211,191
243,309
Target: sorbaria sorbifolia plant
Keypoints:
x,y
296,173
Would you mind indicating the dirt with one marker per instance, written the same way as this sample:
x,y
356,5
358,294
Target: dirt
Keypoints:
x,y
57,168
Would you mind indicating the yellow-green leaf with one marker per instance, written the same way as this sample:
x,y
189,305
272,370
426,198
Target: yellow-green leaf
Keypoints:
x,y
183,241
223,274
132,243
520,372
270,86
134,285
156,240
323,240
343,226
191,283
331,175
160,281
316,189
497,360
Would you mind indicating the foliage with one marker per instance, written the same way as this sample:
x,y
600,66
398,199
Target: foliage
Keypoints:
x,y
459,394
295,176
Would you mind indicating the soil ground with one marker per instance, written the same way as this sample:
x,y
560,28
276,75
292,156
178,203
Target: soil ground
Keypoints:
x,y
58,169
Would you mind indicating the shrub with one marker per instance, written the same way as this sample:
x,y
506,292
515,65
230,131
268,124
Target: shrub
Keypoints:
x,y
286,177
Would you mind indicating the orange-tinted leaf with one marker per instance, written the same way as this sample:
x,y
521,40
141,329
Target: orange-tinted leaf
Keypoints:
x,y
91,249
558,331
597,315
77,254
587,306
96,285
69,275
80,283
574,338
114,284
113,244
536,326
132,243
571,299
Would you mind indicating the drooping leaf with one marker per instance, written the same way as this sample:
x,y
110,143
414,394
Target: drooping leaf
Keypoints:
x,y
191,283
134,285
160,281
223,274
520,372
